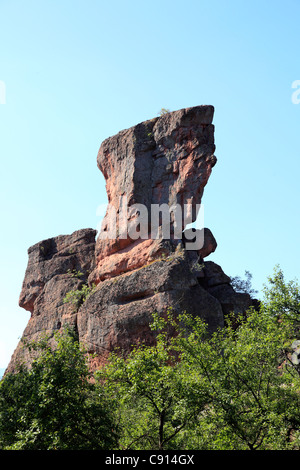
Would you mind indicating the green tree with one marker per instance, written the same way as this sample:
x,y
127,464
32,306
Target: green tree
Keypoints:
x,y
249,396
156,394
238,388
282,298
54,405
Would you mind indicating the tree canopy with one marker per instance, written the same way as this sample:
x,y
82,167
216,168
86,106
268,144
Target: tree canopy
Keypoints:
x,y
54,405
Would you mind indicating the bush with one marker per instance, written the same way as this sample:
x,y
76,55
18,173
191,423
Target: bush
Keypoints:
x,y
79,296
54,405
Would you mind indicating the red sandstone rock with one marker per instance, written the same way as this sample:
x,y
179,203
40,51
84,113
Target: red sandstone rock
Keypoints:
x,y
204,238
166,160
118,313
50,275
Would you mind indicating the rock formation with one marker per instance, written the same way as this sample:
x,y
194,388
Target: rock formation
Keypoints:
x,y
167,160
50,275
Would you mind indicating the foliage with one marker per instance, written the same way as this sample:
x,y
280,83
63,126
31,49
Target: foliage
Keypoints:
x,y
234,389
54,405
163,111
74,273
161,388
282,299
248,401
244,286
78,297
237,388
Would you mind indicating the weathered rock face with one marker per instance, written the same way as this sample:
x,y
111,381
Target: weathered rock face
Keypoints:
x,y
50,275
119,312
55,257
166,160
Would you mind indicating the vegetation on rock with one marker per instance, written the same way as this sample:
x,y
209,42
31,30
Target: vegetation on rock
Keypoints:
x,y
244,286
78,297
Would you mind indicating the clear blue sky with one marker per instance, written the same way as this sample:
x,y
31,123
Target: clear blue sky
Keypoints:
x,y
77,72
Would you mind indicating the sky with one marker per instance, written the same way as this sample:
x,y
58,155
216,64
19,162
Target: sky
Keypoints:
x,y
74,72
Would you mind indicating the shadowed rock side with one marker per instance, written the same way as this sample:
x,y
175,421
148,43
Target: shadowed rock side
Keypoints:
x,y
165,160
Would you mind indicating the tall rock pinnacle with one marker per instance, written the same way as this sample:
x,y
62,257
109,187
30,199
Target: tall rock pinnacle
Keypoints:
x,y
166,160
135,269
